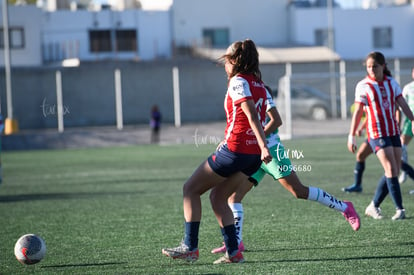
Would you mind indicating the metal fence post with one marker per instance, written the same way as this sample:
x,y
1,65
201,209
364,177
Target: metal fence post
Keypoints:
x,y
59,101
176,91
118,100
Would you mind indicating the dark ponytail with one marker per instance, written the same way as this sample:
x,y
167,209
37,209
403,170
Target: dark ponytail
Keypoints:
x,y
244,57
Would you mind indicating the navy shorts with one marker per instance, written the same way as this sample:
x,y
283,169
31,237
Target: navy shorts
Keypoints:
x,y
225,162
383,142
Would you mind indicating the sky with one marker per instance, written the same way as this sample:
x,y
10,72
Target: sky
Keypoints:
x,y
165,4
147,4
156,4
348,3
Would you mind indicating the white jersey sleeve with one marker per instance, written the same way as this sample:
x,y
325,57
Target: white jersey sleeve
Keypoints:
x,y
269,101
396,87
408,94
408,90
360,92
238,89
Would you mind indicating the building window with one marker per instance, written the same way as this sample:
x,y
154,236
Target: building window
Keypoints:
x,y
216,38
16,38
126,40
382,37
100,41
322,37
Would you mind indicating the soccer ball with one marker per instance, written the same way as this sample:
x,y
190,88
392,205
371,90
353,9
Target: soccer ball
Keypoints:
x,y
30,249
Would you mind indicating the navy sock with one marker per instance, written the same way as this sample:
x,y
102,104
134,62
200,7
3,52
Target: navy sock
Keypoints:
x,y
408,169
395,192
230,238
358,172
191,234
381,192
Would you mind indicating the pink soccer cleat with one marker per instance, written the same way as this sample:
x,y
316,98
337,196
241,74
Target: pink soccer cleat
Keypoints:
x,y
352,216
222,249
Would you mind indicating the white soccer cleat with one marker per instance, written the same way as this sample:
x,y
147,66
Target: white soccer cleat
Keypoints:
x,y
226,259
399,215
181,252
403,177
374,212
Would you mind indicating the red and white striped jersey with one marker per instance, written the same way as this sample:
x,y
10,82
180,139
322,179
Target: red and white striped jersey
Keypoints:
x,y
379,99
239,136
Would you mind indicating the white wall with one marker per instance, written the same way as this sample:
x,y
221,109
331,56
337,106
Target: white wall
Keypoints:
x,y
263,21
66,32
154,34
353,29
27,18
153,31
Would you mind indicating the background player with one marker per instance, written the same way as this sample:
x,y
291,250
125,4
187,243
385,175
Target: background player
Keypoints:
x,y
363,152
379,93
406,132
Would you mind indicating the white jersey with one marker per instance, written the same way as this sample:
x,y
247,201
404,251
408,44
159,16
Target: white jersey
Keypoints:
x,y
273,138
408,94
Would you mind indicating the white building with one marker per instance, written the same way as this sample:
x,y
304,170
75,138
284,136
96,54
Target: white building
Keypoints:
x,y
271,23
358,31
217,23
25,36
88,35
40,37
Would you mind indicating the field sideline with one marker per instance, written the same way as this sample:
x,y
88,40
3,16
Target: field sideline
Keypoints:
x,y
111,210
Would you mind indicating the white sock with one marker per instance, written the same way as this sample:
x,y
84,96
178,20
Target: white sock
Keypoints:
x,y
323,197
238,214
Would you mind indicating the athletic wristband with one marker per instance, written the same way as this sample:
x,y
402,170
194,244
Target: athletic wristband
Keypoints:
x,y
352,139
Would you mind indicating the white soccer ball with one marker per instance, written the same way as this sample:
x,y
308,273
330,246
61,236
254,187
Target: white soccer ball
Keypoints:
x,y
30,249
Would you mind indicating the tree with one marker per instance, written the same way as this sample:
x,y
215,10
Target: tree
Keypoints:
x,y
22,2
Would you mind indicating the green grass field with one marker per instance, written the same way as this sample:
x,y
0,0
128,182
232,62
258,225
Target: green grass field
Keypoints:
x,y
111,210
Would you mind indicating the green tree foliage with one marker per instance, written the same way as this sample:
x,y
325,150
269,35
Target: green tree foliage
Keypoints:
x,y
28,2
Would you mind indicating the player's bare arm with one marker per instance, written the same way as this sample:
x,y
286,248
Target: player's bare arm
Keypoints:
x,y
275,121
249,109
356,118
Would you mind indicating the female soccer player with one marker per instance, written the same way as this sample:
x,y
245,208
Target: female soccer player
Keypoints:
x,y
379,93
281,169
406,133
239,156
363,152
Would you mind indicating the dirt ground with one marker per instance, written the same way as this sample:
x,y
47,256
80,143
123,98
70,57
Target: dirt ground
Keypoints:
x,y
140,134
